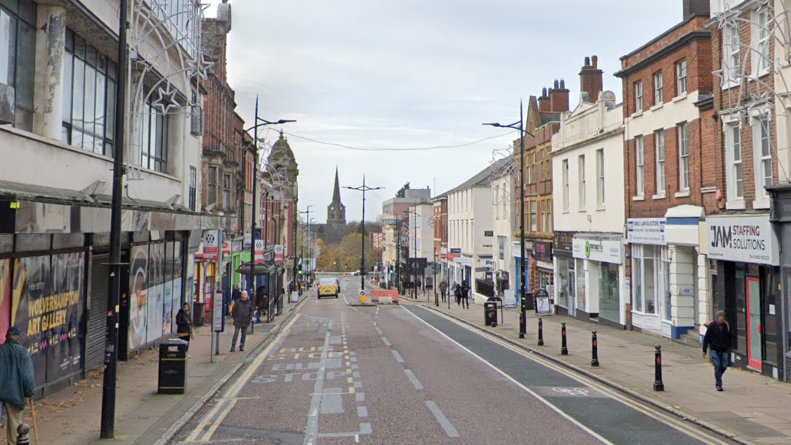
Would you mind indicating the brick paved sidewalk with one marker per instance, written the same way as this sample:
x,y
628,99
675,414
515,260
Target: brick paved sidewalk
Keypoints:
x,y
753,408
72,416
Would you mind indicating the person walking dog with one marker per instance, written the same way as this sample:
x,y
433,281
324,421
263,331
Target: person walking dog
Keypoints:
x,y
18,381
242,317
719,338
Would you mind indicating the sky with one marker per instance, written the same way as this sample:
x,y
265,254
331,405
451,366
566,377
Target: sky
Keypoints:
x,y
406,74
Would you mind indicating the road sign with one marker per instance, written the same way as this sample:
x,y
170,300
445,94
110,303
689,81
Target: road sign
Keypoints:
x,y
211,245
218,321
417,265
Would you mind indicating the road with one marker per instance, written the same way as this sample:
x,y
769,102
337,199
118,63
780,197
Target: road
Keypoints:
x,y
339,374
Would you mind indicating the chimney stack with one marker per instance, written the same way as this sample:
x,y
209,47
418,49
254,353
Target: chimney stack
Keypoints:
x,y
696,7
543,102
559,97
591,79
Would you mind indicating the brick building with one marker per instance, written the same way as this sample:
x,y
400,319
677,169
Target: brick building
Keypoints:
x,y
667,85
543,120
742,242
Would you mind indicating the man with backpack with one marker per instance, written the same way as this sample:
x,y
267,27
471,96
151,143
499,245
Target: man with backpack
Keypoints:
x,y
719,338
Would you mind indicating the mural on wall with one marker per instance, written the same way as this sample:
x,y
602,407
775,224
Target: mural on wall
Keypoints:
x,y
167,315
138,298
156,260
48,307
5,298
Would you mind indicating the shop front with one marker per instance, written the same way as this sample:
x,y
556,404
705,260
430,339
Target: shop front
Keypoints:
x,y
746,280
599,267
650,277
565,278
517,251
544,268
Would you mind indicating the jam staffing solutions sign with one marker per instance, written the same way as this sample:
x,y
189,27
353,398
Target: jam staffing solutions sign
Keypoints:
x,y
748,239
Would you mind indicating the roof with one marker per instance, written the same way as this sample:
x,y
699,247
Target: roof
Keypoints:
x,y
482,178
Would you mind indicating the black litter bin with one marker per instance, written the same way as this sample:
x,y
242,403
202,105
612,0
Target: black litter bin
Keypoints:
x,y
490,313
172,366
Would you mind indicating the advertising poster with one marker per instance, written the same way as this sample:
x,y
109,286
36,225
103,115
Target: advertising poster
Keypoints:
x,y
138,298
167,315
65,307
5,298
178,265
156,285
31,311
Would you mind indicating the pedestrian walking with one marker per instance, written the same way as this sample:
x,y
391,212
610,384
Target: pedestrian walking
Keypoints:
x,y
465,295
457,293
718,338
184,324
18,377
242,317
443,289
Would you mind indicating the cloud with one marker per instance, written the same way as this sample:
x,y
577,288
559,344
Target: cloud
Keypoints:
x,y
416,73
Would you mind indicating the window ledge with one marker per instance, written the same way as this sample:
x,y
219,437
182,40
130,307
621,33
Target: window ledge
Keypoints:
x,y
659,196
566,211
682,194
582,209
735,205
680,97
657,106
601,208
637,114
762,203
638,198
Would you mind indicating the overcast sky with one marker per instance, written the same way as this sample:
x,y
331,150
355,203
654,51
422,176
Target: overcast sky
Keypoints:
x,y
416,73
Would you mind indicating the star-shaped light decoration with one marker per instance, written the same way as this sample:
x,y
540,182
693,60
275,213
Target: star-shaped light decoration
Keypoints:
x,y
166,100
199,67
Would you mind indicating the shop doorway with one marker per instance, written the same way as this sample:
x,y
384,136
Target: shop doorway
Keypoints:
x,y
754,329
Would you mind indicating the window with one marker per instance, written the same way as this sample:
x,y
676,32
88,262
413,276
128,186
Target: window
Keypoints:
x,y
154,138
640,165
581,172
644,277
735,173
226,192
533,216
659,83
659,144
763,155
89,97
212,194
683,156
18,55
600,176
638,97
566,184
193,188
732,51
681,78
763,42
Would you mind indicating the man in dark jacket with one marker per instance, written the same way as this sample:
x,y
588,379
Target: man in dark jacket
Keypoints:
x,y
18,377
184,324
718,337
242,317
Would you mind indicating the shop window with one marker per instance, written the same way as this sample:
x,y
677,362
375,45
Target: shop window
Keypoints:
x,y
566,282
771,322
609,292
17,56
740,286
668,299
580,276
644,278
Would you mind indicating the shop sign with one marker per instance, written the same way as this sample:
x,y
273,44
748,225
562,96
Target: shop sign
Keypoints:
x,y
542,251
211,245
748,239
237,246
604,251
463,261
247,240
259,251
646,231
563,242
279,254
518,248
226,248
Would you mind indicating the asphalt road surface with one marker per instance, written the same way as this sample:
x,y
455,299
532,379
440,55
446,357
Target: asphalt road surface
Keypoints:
x,y
339,374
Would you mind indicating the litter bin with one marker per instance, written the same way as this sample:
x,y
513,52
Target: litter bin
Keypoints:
x,y
490,313
172,366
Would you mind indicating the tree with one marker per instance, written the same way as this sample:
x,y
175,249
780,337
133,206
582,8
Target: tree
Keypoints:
x,y
402,191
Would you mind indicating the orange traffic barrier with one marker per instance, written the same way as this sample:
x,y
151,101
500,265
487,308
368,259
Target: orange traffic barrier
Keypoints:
x,y
386,294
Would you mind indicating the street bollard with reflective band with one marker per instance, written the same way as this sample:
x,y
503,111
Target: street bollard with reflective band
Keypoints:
x,y
522,319
540,332
659,385
22,437
594,349
563,349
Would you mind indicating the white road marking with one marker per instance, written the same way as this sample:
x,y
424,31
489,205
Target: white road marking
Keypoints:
x,y
443,421
397,356
415,382
312,428
386,341
515,382
362,411
379,331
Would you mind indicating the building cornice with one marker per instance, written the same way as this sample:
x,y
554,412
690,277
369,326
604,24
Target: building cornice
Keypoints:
x,y
683,41
580,144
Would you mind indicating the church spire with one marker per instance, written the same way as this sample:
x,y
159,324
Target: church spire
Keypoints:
x,y
336,194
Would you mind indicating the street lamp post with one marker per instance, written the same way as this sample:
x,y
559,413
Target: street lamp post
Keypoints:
x,y
259,122
302,254
363,188
522,133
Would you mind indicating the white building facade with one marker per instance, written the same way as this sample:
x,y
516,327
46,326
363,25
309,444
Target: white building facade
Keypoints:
x,y
587,163
502,216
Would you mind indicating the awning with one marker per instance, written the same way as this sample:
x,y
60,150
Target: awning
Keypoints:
x,y
260,269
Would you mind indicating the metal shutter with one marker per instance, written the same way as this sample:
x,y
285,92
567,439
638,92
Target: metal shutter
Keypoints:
x,y
97,312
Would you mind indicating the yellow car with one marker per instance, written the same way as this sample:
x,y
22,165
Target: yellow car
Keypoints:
x,y
328,287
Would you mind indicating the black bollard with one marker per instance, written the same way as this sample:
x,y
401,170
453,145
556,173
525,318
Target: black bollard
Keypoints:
x,y
595,349
22,437
522,319
563,349
540,332
658,384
